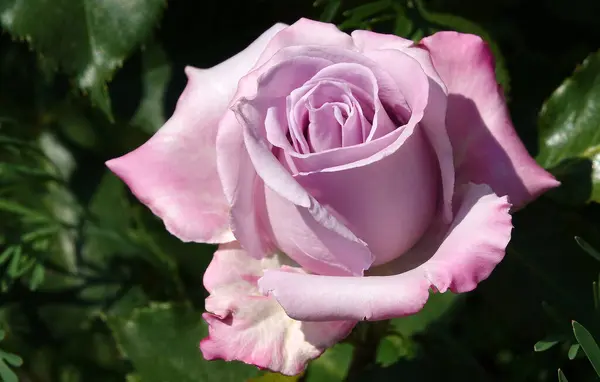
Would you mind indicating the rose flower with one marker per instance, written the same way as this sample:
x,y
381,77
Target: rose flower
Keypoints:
x,y
345,176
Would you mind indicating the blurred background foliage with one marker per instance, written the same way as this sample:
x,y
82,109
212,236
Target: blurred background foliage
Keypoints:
x,y
92,288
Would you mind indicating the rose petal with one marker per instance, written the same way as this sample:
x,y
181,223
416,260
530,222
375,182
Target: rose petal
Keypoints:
x,y
249,327
433,121
390,203
486,146
461,256
377,46
311,243
325,298
397,104
320,103
367,40
332,235
325,253
175,173
325,128
237,172
306,32
365,88
457,260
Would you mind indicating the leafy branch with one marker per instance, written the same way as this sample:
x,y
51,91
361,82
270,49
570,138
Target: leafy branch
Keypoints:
x,y
7,360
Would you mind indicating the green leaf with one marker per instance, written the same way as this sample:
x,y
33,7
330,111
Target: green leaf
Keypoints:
x,y
391,348
88,39
276,377
332,366
588,248
573,351
363,12
156,73
162,343
7,253
76,126
12,359
40,233
18,209
363,16
109,204
588,344
330,11
403,26
398,343
544,345
6,374
575,175
37,277
568,122
133,378
15,262
596,293
437,305
561,376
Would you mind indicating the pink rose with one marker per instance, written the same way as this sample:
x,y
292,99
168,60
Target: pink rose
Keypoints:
x,y
357,172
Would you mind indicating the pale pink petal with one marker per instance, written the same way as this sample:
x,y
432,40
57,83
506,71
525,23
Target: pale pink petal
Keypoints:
x,y
389,212
457,257
378,46
367,40
325,127
230,141
408,107
326,298
349,94
363,85
247,218
461,256
332,240
486,146
311,243
247,326
416,182
433,121
175,173
306,32
325,250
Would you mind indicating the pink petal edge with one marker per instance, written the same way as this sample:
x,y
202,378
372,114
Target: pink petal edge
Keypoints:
x,y
486,147
456,258
249,327
175,172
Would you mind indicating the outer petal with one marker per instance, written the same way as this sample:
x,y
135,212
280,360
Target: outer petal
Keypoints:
x,y
486,146
306,32
175,172
246,326
456,258
367,40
